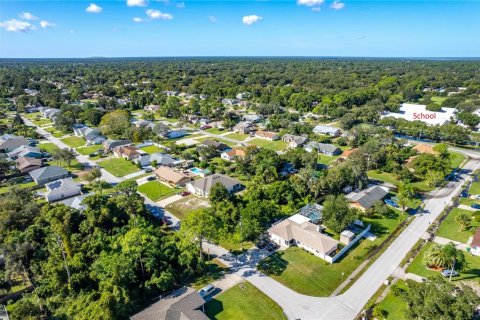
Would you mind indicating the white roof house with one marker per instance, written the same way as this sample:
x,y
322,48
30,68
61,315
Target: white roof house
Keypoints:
x,y
328,130
414,112
61,189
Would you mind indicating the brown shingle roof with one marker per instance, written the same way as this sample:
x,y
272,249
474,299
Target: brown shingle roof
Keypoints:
x,y
424,148
25,162
236,153
170,175
476,238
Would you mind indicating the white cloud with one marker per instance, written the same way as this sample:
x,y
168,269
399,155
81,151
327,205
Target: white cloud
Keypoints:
x,y
212,19
27,16
337,5
251,19
47,24
138,20
155,14
137,3
15,25
93,8
310,3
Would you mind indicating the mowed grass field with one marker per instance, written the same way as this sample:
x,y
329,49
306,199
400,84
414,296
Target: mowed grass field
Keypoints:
x,y
119,167
156,190
278,145
73,141
451,228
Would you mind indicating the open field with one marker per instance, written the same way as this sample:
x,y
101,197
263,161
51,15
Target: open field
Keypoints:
x,y
156,190
119,167
451,229
73,141
152,149
237,136
278,145
215,131
228,143
393,305
89,149
188,204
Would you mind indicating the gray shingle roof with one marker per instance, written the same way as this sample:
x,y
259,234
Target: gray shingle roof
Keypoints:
x,y
367,197
205,184
47,172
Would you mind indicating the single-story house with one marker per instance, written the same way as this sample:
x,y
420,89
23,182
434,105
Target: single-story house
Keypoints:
x,y
10,142
61,189
48,174
253,118
141,123
325,148
300,231
25,151
162,159
79,129
76,202
172,177
244,127
203,186
330,131
50,113
219,146
230,155
93,136
183,304
366,198
27,164
267,135
109,144
127,152
347,153
152,107
475,244
294,141
174,134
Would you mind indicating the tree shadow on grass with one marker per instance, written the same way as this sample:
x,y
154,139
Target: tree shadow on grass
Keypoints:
x,y
273,265
213,308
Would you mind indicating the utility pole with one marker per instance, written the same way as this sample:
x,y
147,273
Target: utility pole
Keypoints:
x,y
453,269
60,243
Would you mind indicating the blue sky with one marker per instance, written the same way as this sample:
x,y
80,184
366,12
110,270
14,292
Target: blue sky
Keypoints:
x,y
239,28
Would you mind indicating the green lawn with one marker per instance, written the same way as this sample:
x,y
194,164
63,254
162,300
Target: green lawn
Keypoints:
x,y
74,141
450,228
21,186
119,167
394,306
48,147
156,190
475,188
89,149
228,143
237,136
152,149
471,271
419,186
326,160
456,159
267,144
439,100
310,275
41,122
186,205
243,302
215,131
214,271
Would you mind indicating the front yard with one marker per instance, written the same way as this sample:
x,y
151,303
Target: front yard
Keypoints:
x,y
243,302
228,143
393,306
48,147
156,190
73,141
152,149
186,205
119,167
237,136
451,228
278,145
89,149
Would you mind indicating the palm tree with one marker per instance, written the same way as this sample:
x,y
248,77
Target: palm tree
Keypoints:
x,y
435,257
405,194
464,220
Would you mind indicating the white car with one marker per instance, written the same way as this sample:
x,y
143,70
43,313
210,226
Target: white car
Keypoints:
x,y
206,291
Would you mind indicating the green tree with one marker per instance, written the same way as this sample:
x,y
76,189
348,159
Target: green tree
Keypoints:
x,y
115,123
337,214
464,220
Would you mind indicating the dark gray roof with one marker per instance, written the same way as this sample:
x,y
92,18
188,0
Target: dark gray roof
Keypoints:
x,y
110,144
367,197
63,186
297,139
218,145
329,148
47,172
205,184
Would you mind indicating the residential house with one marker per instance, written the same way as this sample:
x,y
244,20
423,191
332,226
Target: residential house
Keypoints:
x,y
244,127
325,148
93,136
300,231
10,142
141,123
366,198
219,146
50,113
127,152
253,118
328,130
61,189
48,174
27,164
230,102
25,151
347,236
267,135
232,154
475,244
76,202
109,144
347,153
174,134
160,158
203,186
172,177
183,304
294,141
79,129
152,107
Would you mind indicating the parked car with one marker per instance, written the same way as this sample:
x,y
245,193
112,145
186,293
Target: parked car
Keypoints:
x,y
475,206
148,170
446,273
184,193
207,290
477,197
261,244
464,193
272,247
91,155
151,178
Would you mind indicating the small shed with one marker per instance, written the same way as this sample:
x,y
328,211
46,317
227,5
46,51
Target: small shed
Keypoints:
x,y
347,236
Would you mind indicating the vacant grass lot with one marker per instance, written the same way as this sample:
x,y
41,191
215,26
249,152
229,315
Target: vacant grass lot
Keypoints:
x,y
119,167
451,229
186,205
419,186
393,305
470,272
237,136
89,149
215,131
48,147
156,190
73,141
278,145
152,149
243,302
310,275
326,160
228,143
456,159
475,188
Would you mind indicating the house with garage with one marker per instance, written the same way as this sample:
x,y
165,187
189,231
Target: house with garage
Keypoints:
x,y
10,142
294,141
366,198
27,164
61,189
252,117
327,130
127,152
475,244
25,151
174,134
219,146
109,144
161,159
244,127
298,230
50,113
77,201
44,175
267,135
232,154
173,177
325,148
202,187
93,136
